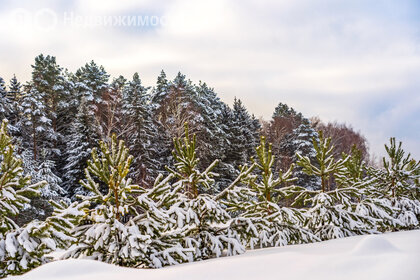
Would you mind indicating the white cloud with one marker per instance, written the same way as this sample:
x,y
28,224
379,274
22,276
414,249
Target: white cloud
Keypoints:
x,y
322,57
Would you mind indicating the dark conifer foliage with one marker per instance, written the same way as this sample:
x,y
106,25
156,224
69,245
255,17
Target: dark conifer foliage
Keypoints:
x,y
58,117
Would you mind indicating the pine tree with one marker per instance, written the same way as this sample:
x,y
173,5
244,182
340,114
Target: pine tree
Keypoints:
x,y
21,248
92,83
161,89
122,225
48,82
27,247
332,212
45,172
205,225
396,182
370,201
15,187
258,205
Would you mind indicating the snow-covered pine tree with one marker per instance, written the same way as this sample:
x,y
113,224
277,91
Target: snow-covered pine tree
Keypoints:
x,y
91,82
370,201
27,247
122,226
291,133
48,81
205,225
258,204
22,248
331,213
397,182
15,189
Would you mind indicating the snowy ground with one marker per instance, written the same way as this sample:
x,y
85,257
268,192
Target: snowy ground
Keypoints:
x,y
388,256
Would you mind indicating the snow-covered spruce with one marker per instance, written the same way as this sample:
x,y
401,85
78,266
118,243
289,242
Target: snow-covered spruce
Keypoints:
x,y
264,223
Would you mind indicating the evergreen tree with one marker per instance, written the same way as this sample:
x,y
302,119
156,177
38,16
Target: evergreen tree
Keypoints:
x,y
396,182
161,89
15,95
82,139
15,188
5,104
122,225
52,189
28,247
92,83
48,82
258,205
303,146
142,135
244,135
332,212
370,201
36,126
205,225
22,248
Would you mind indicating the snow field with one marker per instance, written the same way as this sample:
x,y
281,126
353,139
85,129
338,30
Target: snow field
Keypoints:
x,y
387,256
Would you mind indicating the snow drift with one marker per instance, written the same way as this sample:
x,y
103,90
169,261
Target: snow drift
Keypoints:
x,y
387,256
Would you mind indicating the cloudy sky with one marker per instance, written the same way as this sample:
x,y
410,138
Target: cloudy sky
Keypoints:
x,y
352,61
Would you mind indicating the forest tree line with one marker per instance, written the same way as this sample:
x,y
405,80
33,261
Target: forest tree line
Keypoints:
x,y
58,117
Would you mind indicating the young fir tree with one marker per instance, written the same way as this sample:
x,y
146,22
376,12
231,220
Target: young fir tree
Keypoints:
x,y
397,183
258,205
205,225
331,213
122,226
